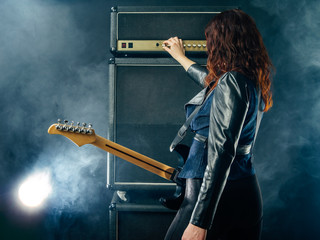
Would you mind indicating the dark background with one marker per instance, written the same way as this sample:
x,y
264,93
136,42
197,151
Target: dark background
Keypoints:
x,y
53,63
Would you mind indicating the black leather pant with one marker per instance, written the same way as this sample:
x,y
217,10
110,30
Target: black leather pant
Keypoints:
x,y
238,216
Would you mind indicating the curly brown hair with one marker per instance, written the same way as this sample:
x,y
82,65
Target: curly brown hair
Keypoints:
x,y
235,44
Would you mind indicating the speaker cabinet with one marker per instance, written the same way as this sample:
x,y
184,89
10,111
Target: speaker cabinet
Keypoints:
x,y
141,30
140,216
146,109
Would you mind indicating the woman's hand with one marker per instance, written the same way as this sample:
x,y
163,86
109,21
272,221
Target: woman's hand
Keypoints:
x,y
174,47
193,232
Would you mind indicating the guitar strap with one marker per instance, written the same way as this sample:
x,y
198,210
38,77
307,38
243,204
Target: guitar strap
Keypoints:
x,y
183,130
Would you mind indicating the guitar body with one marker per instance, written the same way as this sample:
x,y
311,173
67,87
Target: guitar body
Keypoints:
x,y
176,200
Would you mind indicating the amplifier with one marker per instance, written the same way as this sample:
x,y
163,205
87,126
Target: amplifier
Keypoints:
x,y
141,216
142,30
145,111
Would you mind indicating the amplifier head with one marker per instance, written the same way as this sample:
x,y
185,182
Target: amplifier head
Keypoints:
x,y
137,31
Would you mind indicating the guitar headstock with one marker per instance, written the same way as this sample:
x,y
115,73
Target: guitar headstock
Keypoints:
x,y
80,135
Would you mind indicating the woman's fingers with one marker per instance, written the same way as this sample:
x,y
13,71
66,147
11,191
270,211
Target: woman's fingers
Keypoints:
x,y
174,47
166,49
172,40
166,44
181,45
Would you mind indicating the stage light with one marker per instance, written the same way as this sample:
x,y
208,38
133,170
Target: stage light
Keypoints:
x,y
35,189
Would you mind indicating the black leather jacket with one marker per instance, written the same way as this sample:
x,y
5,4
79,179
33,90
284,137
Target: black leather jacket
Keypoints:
x,y
228,111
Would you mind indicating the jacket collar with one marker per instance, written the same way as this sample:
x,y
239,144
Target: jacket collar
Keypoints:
x,y
201,96
197,99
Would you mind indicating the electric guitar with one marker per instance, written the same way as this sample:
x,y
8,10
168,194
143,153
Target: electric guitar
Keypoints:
x,y
82,135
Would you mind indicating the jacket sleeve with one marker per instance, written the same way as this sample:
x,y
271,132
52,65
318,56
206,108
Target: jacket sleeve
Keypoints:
x,y
198,74
228,111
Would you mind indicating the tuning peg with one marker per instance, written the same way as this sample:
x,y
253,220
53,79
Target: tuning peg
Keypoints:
x,y
83,129
58,127
77,129
71,128
65,127
89,130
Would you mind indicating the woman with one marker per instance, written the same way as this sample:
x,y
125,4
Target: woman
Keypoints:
x,y
223,199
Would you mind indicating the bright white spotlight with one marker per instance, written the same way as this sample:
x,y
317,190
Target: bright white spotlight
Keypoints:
x,y
35,189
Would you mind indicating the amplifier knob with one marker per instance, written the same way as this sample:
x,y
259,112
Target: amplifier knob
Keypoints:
x,y
204,45
199,45
189,45
194,45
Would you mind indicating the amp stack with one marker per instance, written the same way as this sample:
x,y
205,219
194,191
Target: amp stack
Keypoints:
x,y
147,93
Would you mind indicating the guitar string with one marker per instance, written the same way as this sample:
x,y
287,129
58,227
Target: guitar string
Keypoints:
x,y
138,159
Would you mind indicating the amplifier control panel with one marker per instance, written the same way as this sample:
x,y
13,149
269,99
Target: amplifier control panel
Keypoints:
x,y
157,45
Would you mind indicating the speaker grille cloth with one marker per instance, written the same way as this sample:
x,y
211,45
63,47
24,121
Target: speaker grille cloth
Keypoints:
x,y
161,26
149,111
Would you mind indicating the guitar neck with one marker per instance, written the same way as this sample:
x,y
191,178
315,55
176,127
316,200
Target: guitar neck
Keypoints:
x,y
135,158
